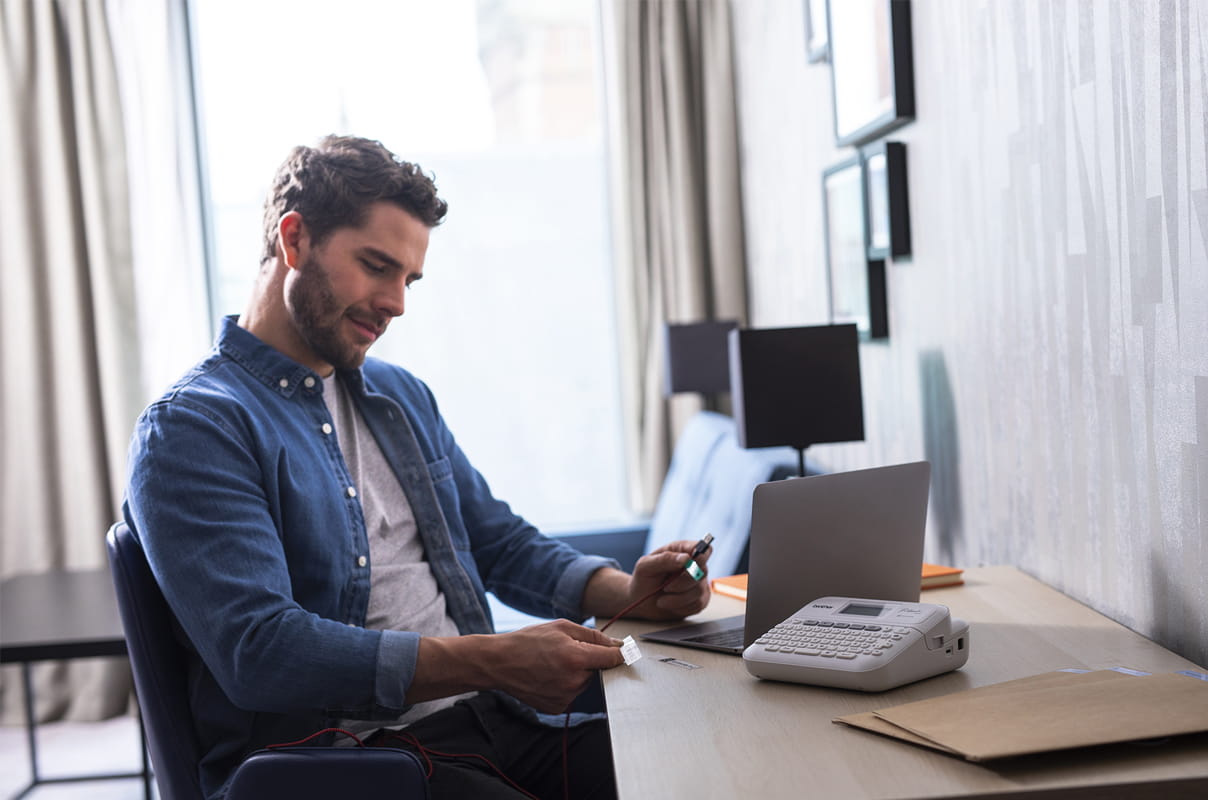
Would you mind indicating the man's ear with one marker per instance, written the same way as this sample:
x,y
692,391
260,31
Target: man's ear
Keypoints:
x,y
292,238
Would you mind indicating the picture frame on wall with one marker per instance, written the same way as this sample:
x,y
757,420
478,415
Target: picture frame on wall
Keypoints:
x,y
888,202
872,68
855,283
816,48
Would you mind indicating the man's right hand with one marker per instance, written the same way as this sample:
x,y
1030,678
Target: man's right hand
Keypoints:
x,y
545,666
548,665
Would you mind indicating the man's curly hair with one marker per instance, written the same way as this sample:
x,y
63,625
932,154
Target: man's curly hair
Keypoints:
x,y
333,184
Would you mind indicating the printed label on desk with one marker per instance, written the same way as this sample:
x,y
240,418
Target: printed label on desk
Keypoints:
x,y
675,662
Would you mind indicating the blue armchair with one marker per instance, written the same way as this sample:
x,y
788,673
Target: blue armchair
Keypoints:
x,y
159,666
707,489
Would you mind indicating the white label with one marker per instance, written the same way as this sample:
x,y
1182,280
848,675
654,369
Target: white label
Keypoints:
x,y
630,651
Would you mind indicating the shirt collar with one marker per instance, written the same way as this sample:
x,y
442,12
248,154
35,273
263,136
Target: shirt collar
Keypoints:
x,y
269,365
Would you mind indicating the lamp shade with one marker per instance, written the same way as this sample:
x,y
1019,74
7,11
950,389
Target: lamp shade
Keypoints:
x,y
697,357
796,386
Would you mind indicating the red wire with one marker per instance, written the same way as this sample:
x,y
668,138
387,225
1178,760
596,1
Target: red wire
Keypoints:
x,y
637,603
566,756
566,722
424,750
349,734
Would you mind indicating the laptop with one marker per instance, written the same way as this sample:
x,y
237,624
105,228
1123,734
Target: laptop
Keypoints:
x,y
847,534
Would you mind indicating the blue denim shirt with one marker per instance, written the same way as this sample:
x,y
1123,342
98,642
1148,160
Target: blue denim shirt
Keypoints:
x,y
242,501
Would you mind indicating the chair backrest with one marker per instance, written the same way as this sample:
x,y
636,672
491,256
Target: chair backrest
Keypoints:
x,y
708,489
159,665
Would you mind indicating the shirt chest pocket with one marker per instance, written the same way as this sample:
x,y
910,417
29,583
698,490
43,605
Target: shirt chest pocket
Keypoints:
x,y
440,470
448,499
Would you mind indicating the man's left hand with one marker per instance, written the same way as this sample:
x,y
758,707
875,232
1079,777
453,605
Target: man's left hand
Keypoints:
x,y
609,591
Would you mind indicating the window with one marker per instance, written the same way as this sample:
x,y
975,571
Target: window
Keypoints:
x,y
513,326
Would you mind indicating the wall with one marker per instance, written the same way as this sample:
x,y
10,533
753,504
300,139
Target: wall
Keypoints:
x,y
1048,346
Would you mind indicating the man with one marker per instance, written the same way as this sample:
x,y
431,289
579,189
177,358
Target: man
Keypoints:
x,y
326,546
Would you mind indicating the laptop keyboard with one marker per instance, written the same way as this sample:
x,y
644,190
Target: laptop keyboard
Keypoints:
x,y
728,638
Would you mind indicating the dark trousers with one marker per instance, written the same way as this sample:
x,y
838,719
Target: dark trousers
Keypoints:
x,y
527,752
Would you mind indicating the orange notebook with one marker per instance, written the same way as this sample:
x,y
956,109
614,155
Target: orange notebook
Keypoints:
x,y
933,576
732,585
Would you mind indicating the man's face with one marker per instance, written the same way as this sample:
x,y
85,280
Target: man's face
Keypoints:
x,y
345,291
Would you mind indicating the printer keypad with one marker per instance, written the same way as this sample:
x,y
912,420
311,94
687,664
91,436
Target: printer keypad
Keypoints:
x,y
838,640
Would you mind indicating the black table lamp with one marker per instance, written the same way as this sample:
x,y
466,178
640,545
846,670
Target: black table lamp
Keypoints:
x,y
796,387
698,357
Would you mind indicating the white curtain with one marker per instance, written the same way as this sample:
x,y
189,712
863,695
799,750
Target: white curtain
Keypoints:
x,y
71,137
151,46
677,207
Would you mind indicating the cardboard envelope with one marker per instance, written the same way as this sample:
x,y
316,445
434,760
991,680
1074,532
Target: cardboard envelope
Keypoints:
x,y
1047,712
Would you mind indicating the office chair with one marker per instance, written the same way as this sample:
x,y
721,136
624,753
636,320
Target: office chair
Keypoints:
x,y
160,669
708,489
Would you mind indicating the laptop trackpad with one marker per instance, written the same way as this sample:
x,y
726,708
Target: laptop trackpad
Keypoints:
x,y
723,635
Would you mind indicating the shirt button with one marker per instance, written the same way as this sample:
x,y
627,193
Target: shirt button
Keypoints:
x,y
362,561
327,428
283,383
309,382
352,491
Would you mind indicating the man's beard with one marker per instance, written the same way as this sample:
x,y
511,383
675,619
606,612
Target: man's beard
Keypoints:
x,y
317,317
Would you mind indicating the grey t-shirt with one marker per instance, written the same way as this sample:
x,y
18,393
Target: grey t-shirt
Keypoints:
x,y
403,592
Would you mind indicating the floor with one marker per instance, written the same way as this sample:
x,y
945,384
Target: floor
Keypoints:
x,y
66,748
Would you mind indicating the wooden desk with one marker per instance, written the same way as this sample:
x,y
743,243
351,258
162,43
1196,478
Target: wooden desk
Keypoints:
x,y
718,732
54,616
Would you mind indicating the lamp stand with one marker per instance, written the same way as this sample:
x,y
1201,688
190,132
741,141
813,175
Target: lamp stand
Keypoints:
x,y
800,459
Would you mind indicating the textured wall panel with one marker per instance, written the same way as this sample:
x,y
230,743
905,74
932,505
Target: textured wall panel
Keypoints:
x,y
1048,345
